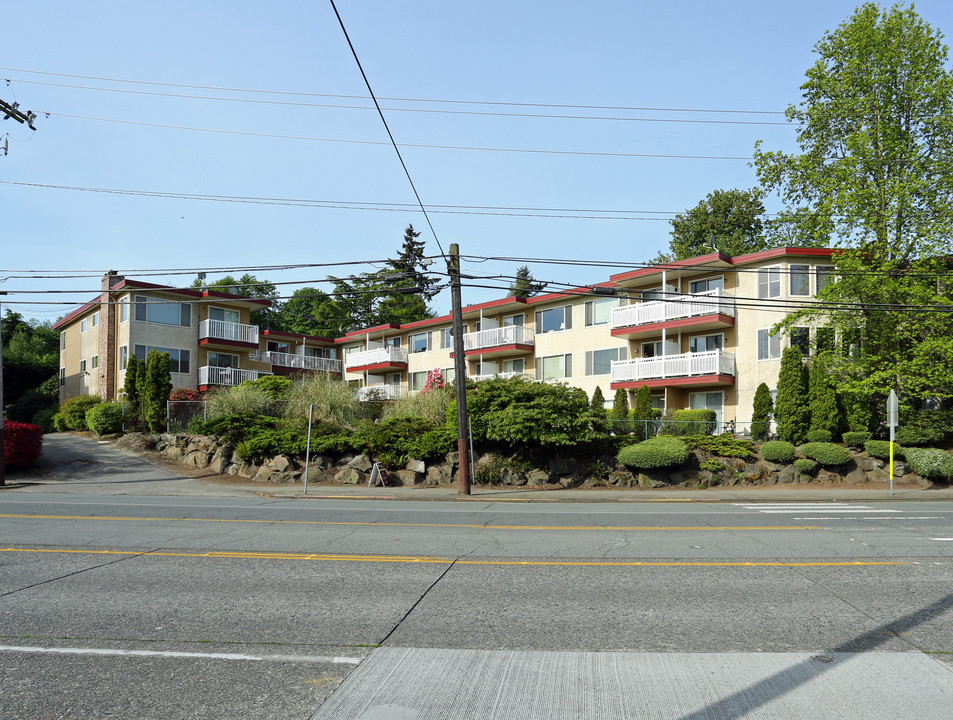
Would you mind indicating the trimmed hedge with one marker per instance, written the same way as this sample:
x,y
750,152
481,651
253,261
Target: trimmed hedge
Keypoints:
x,y
881,449
694,422
917,436
22,443
105,418
722,445
73,411
855,439
657,452
779,451
805,466
816,436
826,453
930,463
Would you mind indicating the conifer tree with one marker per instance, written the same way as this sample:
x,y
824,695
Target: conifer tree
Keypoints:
x,y
825,413
131,388
761,413
643,413
154,388
620,412
597,407
791,410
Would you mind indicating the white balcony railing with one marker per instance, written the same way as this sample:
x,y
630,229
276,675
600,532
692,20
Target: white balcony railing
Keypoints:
x,y
679,306
495,337
380,392
501,375
209,375
375,357
298,362
234,332
714,362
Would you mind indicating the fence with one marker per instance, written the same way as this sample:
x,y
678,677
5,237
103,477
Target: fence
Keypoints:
x,y
179,414
660,426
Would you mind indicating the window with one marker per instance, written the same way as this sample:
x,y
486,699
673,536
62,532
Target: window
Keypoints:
x,y
62,377
417,380
94,362
599,362
421,342
223,314
769,346
215,359
82,325
701,286
446,337
800,280
801,338
706,343
123,356
448,375
599,311
164,312
62,341
94,321
178,359
652,349
554,319
517,365
281,347
123,309
825,275
553,367
82,366
769,283
513,320
708,401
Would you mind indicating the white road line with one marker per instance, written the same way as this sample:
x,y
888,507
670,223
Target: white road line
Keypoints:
x,y
942,539
171,654
893,517
825,510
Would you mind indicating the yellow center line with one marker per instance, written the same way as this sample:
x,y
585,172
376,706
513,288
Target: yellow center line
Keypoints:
x,y
424,559
425,525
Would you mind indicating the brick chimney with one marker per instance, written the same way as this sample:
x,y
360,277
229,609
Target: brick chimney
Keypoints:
x,y
107,337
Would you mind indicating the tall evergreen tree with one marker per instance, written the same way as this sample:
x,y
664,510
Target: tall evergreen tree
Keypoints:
x,y
130,387
525,284
597,407
761,413
643,414
620,412
825,413
155,385
791,410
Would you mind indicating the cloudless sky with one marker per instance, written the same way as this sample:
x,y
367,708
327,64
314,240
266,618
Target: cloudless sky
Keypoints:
x,y
311,160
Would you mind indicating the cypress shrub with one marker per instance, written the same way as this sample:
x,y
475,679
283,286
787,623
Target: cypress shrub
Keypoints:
x,y
804,466
791,410
131,390
597,407
779,451
761,413
826,453
657,452
881,449
825,415
813,436
643,416
855,439
930,463
620,412
155,386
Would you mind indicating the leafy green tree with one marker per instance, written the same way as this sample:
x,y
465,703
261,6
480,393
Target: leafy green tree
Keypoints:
x,y
874,178
525,284
620,412
761,413
155,385
643,414
130,388
727,221
310,311
791,409
30,355
825,412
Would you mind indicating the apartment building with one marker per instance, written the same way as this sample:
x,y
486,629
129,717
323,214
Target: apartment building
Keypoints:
x,y
207,334
697,332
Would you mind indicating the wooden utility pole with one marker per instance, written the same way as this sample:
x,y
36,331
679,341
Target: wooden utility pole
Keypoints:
x,y
3,417
459,370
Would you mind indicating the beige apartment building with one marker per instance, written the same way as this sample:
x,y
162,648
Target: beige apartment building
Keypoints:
x,y
696,332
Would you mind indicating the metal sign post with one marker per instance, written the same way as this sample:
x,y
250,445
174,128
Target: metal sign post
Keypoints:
x,y
307,453
893,418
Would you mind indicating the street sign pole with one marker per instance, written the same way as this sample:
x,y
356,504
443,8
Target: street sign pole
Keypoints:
x,y
893,417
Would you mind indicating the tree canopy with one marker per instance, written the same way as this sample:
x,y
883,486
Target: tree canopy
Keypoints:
x,y
525,284
250,286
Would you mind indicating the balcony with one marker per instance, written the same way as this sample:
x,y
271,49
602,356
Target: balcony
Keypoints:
x,y
506,340
380,392
702,311
385,358
229,377
715,367
228,334
289,362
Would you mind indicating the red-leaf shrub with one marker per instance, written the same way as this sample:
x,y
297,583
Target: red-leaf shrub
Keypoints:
x,y
22,443
185,394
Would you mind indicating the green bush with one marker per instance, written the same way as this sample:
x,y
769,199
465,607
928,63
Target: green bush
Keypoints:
x,y
761,412
105,418
394,441
694,422
827,454
918,436
266,443
930,463
44,419
33,401
712,466
59,422
881,449
434,443
276,387
804,466
245,399
234,428
657,452
334,400
791,409
855,439
431,405
724,445
74,411
779,451
816,436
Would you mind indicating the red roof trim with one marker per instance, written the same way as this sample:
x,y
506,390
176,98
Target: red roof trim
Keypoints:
x,y
368,331
782,252
687,263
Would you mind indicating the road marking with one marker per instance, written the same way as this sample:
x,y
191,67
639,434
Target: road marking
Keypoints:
x,y
423,559
891,517
393,524
942,539
174,654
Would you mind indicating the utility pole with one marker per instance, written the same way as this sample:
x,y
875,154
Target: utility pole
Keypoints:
x,y
13,111
3,416
459,370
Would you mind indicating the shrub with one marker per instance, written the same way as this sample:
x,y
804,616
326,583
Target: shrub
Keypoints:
x,y
824,410
234,428
657,452
694,422
431,405
642,417
44,418
619,416
815,436
74,411
804,466
105,418
761,412
30,403
791,408
130,388
154,387
275,387
22,443
855,439
397,439
826,453
334,400
724,445
244,399
779,451
930,463
597,407
267,442
712,466
59,422
918,436
185,395
434,443
881,449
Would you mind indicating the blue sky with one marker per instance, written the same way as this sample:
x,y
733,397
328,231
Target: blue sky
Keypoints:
x,y
732,56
